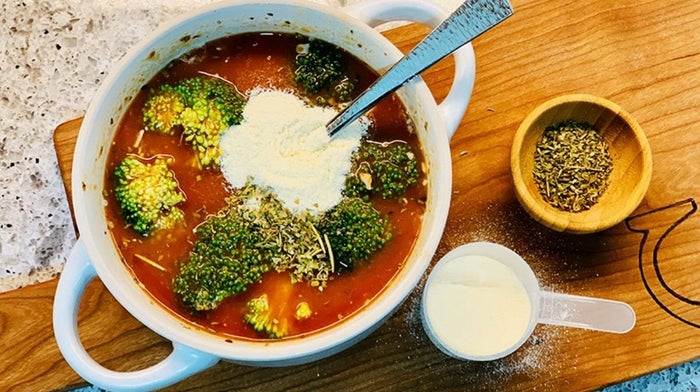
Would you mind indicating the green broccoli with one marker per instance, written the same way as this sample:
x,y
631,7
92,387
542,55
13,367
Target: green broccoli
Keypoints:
x,y
226,258
202,107
343,89
320,66
259,316
148,194
266,316
386,169
355,230
251,235
162,111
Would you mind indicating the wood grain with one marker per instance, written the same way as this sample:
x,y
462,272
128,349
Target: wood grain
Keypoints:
x,y
635,53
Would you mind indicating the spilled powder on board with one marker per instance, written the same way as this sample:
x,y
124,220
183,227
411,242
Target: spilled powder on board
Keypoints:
x,y
282,145
497,223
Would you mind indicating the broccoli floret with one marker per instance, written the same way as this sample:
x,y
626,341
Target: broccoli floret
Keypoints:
x,y
385,169
226,258
260,317
202,107
355,230
251,235
162,111
343,89
148,194
318,63
266,316
358,184
319,66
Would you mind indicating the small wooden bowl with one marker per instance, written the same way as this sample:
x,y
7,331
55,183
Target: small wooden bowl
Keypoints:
x,y
629,150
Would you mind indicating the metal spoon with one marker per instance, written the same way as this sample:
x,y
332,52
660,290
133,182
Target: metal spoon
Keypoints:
x,y
467,22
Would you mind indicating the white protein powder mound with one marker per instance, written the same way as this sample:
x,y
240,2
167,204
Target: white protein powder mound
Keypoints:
x,y
477,306
282,145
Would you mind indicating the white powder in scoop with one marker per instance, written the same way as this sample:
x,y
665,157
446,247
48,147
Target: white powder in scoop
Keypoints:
x,y
477,306
282,145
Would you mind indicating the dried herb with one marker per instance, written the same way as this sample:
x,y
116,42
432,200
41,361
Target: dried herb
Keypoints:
x,y
572,166
292,241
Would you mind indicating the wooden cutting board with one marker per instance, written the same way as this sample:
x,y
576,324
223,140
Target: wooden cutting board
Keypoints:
x,y
631,52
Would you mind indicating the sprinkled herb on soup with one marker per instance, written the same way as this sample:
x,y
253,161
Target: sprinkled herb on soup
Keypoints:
x,y
233,207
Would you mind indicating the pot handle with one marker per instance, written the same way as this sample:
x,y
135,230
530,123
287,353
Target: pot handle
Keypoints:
x,y
182,362
375,13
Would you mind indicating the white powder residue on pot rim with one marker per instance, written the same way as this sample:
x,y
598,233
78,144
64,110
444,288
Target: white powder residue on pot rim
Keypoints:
x,y
282,145
477,306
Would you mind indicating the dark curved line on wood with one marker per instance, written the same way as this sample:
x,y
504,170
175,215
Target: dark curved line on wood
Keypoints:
x,y
645,236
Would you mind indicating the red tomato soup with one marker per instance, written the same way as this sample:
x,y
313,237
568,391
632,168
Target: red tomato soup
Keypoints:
x,y
251,61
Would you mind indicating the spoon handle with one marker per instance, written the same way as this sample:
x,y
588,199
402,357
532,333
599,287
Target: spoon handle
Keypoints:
x,y
467,22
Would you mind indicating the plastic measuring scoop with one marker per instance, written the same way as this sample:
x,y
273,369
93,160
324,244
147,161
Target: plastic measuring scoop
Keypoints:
x,y
544,307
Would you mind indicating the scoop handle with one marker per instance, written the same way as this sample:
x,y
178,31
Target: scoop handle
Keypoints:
x,y
586,312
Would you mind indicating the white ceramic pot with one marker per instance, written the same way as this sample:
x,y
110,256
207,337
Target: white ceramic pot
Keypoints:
x,y
194,350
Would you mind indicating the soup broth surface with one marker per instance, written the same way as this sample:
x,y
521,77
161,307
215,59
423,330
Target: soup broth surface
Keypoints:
x,y
254,61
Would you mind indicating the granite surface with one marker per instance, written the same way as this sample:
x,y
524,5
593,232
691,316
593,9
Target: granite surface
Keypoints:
x,y
53,56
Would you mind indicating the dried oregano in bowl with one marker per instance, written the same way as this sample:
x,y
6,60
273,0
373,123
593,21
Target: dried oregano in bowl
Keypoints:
x,y
580,164
572,165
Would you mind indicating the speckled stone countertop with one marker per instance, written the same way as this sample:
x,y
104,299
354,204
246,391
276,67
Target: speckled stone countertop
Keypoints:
x,y
53,56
